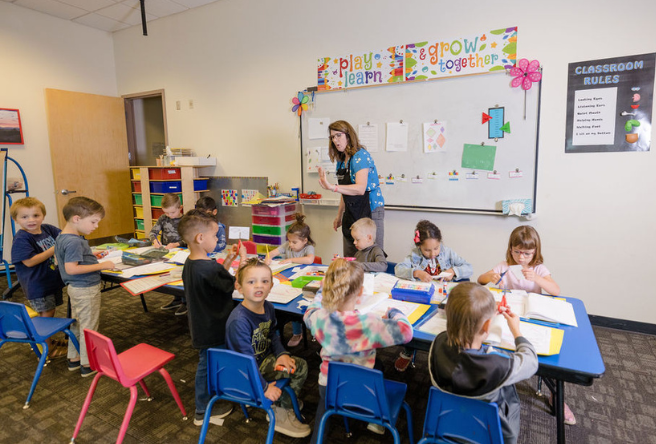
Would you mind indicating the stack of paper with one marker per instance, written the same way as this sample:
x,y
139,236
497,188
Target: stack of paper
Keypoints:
x,y
546,340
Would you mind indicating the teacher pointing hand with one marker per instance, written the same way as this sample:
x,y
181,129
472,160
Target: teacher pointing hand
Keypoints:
x,y
357,182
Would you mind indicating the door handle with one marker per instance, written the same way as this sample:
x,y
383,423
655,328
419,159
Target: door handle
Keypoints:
x,y
67,192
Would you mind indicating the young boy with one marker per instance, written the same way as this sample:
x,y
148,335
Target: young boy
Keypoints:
x,y
373,258
208,205
208,289
167,225
80,270
32,254
459,362
251,330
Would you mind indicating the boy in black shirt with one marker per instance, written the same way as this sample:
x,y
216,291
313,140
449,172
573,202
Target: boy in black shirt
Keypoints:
x,y
208,290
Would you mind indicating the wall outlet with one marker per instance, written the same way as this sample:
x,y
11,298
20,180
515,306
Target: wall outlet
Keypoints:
x,y
191,103
178,105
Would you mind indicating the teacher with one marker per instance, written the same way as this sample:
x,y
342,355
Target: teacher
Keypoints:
x,y
357,182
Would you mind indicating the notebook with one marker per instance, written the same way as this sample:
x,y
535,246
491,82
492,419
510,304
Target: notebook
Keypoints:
x,y
539,307
546,340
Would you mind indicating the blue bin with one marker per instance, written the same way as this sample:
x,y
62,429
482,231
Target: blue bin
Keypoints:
x,y
166,187
200,184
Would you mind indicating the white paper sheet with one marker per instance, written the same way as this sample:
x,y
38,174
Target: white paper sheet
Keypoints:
x,y
318,128
154,268
517,271
180,257
384,282
434,325
368,135
397,136
283,294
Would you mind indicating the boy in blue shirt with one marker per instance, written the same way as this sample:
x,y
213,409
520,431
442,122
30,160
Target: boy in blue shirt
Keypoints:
x,y
208,290
32,254
80,271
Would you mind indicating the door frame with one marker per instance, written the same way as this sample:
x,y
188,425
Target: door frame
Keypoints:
x,y
129,119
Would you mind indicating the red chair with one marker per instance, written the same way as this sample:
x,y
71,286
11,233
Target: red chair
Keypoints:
x,y
251,247
128,368
317,260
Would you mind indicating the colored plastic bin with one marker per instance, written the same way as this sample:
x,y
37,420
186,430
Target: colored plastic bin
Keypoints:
x,y
136,186
140,224
138,212
156,212
263,249
136,173
156,200
273,220
271,240
138,200
200,184
265,210
166,187
164,173
270,230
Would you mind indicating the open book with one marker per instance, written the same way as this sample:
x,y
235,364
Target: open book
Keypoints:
x,y
546,340
540,307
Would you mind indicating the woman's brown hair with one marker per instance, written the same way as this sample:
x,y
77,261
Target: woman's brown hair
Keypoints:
x,y
353,142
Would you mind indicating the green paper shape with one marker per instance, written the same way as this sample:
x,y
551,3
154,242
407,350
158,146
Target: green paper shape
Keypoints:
x,y
477,157
506,127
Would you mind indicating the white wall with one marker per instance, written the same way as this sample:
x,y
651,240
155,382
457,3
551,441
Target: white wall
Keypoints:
x,y
242,61
38,51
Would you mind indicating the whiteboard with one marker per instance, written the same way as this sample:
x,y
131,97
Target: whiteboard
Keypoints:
x,y
460,103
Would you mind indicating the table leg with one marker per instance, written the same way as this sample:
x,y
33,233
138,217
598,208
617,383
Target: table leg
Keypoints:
x,y
559,404
143,302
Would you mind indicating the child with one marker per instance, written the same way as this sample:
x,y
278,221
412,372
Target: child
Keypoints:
x,y
251,330
298,249
80,271
346,335
429,258
32,253
208,205
208,289
523,249
459,363
369,254
167,224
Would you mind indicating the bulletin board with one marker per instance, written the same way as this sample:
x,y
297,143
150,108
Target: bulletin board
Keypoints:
x,y
441,180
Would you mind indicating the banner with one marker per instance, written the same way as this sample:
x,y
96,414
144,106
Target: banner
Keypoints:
x,y
487,51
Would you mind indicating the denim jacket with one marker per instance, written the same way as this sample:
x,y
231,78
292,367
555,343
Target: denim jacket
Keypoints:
x,y
447,259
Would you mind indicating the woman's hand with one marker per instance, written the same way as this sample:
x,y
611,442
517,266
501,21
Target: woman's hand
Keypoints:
x,y
337,222
323,181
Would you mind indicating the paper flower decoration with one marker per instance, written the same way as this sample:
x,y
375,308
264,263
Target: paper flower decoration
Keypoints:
x,y
300,103
525,74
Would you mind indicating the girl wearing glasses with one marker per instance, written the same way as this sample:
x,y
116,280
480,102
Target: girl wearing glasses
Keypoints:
x,y
523,249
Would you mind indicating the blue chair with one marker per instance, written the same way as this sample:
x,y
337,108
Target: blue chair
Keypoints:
x,y
450,417
235,377
362,393
17,326
390,267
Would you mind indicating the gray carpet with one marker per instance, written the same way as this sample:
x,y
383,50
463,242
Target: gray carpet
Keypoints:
x,y
618,408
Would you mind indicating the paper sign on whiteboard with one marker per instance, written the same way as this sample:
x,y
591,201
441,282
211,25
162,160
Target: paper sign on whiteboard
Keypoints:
x,y
397,136
239,232
318,128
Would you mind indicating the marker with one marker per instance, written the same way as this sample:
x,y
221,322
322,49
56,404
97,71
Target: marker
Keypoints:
x,y
282,368
267,250
502,275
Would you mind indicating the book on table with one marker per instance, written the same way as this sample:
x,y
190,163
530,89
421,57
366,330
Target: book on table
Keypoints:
x,y
539,307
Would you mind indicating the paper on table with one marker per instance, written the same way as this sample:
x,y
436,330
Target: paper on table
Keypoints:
x,y
283,294
138,250
368,284
549,309
411,310
367,301
384,282
155,268
368,135
434,325
277,267
397,136
312,270
180,257
318,128
142,285
546,340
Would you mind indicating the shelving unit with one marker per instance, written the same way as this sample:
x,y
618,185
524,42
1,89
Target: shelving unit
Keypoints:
x,y
150,183
270,225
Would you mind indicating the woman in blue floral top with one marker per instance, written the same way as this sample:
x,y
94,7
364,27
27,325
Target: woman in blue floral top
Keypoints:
x,y
357,182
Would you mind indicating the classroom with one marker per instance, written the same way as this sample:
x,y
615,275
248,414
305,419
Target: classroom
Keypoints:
x,y
242,61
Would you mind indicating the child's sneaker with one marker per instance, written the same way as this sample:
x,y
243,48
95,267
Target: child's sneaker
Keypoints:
x,y
295,340
175,303
288,424
87,371
376,428
182,310
402,362
73,365
221,409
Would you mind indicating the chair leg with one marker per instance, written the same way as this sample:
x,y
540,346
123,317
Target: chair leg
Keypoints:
x,y
322,426
206,419
408,417
85,406
395,434
128,414
37,374
292,396
539,391
174,391
346,426
71,337
246,415
272,425
145,389
414,356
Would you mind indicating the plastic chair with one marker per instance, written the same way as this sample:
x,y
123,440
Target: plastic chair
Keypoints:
x,y
451,417
235,377
128,368
317,260
362,393
17,326
251,247
390,267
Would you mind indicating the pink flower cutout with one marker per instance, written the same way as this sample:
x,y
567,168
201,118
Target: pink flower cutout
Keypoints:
x,y
525,74
300,103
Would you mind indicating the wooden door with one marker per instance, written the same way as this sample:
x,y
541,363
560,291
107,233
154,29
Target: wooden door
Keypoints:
x,y
88,146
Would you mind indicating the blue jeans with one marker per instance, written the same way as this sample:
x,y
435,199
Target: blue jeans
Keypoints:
x,y
202,393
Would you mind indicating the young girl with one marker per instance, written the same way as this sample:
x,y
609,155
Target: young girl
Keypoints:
x,y
208,205
523,249
344,334
298,249
429,258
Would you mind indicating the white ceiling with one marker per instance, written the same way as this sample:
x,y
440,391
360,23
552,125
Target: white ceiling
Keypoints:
x,y
109,15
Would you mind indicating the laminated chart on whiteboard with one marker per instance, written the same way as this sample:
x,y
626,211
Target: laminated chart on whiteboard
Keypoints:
x,y
441,137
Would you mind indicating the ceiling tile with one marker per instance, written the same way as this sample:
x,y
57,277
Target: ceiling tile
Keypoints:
x,y
124,13
100,22
52,7
159,8
193,3
89,5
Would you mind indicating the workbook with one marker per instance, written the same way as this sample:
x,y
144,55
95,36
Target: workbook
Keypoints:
x,y
546,340
277,267
411,310
539,307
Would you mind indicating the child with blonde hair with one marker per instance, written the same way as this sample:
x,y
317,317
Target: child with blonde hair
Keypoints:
x,y
345,334
370,255
461,364
298,249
